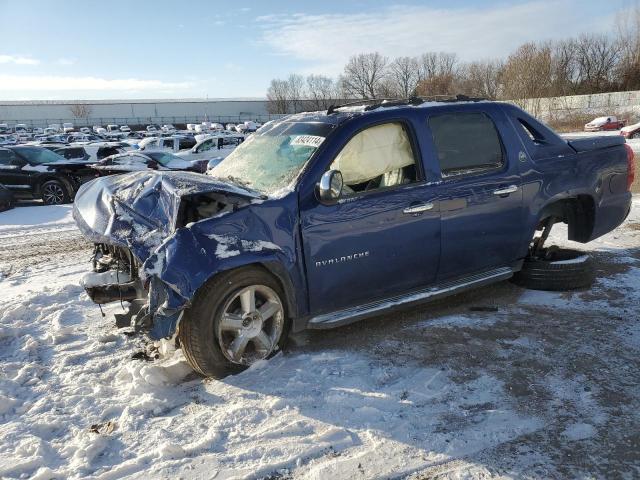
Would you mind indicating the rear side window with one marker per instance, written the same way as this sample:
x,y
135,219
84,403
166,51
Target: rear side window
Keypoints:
x,y
104,152
186,143
71,153
466,143
6,157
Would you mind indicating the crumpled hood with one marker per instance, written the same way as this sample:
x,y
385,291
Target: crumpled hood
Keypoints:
x,y
139,210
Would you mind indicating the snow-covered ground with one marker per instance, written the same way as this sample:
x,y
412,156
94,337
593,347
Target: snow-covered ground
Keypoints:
x,y
500,382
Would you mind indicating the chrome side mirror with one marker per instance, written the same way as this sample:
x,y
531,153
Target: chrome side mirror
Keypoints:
x,y
330,186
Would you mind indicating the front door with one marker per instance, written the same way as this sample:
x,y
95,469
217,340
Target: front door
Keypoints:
x,y
382,238
480,194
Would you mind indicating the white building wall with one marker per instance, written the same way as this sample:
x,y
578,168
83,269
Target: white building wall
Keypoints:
x,y
134,112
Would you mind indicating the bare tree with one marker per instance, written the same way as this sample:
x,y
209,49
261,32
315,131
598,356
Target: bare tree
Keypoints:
x,y
437,73
295,90
278,97
81,111
321,92
403,76
481,79
628,31
363,75
597,57
432,64
527,75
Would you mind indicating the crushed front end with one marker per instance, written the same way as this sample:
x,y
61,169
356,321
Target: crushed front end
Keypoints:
x,y
133,221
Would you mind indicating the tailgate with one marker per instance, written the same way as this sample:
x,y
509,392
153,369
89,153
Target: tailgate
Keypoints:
x,y
587,144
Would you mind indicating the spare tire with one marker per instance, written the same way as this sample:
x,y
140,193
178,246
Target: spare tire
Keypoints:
x,y
557,269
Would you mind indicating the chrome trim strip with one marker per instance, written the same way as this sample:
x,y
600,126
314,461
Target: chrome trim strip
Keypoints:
x,y
352,314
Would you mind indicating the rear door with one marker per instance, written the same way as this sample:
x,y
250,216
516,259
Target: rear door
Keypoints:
x,y
480,193
11,173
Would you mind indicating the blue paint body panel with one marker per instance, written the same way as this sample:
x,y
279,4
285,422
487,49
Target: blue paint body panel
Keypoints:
x,y
330,257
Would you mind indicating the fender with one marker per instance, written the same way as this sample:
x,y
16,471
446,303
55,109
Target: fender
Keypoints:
x,y
190,258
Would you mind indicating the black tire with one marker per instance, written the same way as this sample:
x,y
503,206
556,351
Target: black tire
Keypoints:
x,y
557,270
54,192
198,330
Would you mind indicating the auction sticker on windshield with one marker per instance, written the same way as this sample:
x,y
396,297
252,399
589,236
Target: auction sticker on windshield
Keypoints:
x,y
307,140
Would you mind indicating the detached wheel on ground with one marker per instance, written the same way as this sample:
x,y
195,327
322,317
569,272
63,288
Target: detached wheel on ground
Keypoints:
x,y
54,193
556,270
236,319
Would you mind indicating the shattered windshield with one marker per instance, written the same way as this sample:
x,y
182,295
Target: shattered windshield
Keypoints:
x,y
272,158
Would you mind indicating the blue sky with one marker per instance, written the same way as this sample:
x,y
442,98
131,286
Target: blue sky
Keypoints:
x,y
168,49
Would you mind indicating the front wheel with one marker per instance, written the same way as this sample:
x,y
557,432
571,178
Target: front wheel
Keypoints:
x,y
54,193
236,319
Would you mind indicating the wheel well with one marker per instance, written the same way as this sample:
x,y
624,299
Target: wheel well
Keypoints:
x,y
277,271
66,183
577,212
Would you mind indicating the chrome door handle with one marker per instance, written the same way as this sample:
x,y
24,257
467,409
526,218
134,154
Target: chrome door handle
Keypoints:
x,y
506,190
423,207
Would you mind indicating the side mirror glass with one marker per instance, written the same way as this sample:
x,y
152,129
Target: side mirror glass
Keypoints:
x,y
330,186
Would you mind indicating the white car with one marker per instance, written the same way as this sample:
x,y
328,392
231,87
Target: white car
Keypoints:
x,y
230,127
125,129
55,127
85,130
168,128
207,149
67,127
20,128
168,144
113,128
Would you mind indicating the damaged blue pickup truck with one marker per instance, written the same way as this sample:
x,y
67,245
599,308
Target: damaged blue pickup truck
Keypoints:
x,y
320,219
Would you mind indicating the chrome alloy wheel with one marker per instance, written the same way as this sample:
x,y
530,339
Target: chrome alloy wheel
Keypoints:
x,y
251,325
53,194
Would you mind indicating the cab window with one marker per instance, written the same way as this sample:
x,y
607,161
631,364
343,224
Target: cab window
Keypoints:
x,y
378,157
466,143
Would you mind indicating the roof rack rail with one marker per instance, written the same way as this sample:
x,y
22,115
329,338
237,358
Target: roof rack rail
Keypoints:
x,y
373,103
451,98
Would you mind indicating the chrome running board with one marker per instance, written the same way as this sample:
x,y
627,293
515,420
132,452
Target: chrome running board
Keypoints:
x,y
353,314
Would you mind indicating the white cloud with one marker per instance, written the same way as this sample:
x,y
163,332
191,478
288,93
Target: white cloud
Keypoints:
x,y
326,41
66,61
44,83
18,60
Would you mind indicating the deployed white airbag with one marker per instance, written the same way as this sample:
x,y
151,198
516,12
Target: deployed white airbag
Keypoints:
x,y
374,152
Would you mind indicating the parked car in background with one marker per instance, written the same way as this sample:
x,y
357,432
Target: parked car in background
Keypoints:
x,y
31,171
134,161
6,198
631,131
55,127
91,153
125,129
601,124
20,128
4,128
209,147
168,128
85,130
113,128
173,143
67,127
301,227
